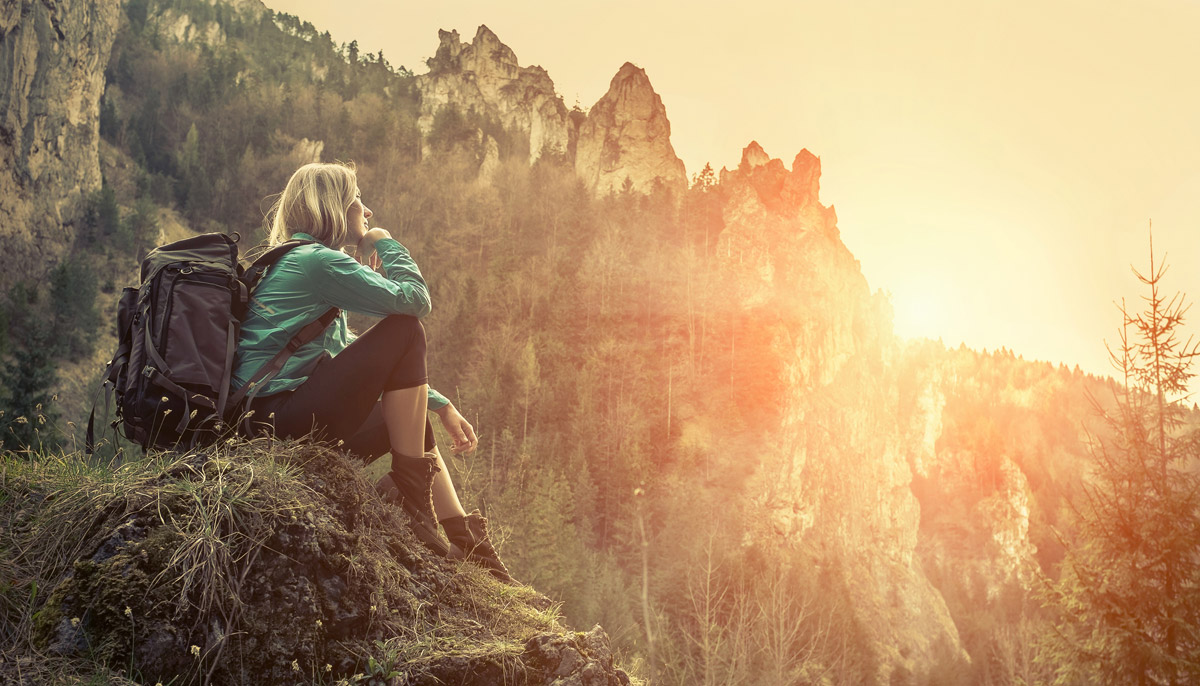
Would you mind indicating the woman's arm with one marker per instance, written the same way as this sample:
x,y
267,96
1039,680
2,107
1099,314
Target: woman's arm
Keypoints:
x,y
341,281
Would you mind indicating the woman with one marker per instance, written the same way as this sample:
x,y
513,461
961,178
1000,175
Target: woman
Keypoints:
x,y
368,394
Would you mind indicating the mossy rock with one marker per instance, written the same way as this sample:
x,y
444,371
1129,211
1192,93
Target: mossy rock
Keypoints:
x,y
278,564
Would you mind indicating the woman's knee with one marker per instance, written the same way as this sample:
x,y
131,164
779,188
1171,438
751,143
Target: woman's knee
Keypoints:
x,y
403,327
403,342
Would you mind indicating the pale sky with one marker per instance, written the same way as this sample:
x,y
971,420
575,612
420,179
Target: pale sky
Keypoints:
x,y
994,165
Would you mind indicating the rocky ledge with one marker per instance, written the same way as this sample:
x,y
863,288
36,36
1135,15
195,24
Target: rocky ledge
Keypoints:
x,y
257,564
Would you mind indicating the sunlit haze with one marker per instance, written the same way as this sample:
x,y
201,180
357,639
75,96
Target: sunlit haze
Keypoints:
x,y
994,166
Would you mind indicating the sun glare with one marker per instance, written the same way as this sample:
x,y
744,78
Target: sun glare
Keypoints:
x,y
920,314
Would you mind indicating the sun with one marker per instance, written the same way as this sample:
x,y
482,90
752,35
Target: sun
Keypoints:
x,y
922,313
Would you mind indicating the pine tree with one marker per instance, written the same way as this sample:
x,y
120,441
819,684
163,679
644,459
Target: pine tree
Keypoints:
x,y
73,305
1128,600
27,417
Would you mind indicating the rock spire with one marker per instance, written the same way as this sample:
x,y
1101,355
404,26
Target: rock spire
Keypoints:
x,y
627,136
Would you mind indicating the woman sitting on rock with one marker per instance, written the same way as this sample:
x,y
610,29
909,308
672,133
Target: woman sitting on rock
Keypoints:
x,y
368,394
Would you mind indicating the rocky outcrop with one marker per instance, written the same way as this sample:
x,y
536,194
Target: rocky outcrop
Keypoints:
x,y
52,58
846,486
578,660
627,136
783,238
184,28
181,27
484,78
227,567
976,502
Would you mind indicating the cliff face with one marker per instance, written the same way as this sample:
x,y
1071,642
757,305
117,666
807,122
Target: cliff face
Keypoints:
x,y
52,59
484,77
979,507
885,466
627,136
843,483
184,28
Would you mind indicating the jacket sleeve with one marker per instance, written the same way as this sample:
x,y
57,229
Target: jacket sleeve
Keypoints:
x,y
340,281
436,400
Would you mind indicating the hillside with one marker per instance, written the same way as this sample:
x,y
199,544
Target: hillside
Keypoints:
x,y
697,426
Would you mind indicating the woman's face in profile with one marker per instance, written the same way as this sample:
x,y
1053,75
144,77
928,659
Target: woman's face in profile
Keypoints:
x,y
356,217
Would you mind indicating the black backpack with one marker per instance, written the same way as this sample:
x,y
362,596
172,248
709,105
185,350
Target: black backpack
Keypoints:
x,y
177,334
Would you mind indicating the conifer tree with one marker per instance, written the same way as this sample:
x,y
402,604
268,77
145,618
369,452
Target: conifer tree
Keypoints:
x,y
1128,600
27,417
73,307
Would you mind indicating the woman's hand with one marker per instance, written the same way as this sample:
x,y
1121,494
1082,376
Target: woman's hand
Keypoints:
x,y
459,428
364,249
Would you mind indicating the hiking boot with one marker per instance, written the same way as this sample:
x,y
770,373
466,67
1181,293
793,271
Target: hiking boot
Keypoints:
x,y
469,538
410,486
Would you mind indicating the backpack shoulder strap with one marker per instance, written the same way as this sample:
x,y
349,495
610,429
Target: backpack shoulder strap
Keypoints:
x,y
259,266
266,372
307,333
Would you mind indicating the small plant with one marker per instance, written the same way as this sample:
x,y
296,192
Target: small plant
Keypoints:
x,y
381,672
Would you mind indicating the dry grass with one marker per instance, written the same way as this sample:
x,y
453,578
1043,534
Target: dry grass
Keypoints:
x,y
213,518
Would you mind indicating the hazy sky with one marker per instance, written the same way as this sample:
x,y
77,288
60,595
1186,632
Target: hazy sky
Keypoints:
x,y
994,164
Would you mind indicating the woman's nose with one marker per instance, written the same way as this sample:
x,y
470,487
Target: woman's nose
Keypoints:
x,y
367,212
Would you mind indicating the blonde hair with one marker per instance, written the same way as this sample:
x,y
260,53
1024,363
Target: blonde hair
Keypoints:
x,y
314,201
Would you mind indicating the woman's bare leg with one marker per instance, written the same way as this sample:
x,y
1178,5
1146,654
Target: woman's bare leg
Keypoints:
x,y
445,498
404,412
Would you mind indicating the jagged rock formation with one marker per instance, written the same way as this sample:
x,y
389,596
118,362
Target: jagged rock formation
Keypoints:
x,y
627,136
774,219
483,77
845,481
52,59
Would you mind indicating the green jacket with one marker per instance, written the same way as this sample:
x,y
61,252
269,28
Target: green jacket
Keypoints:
x,y
302,286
